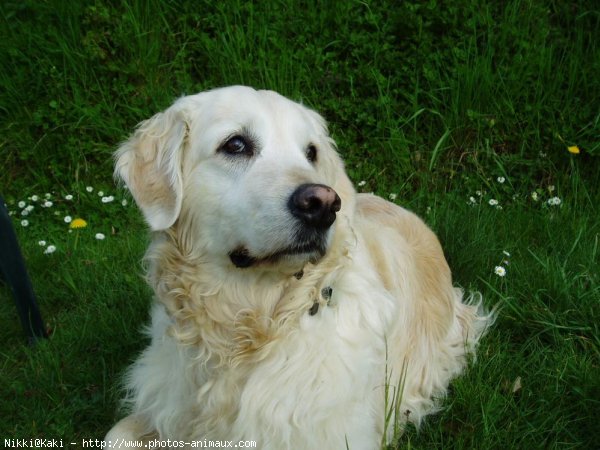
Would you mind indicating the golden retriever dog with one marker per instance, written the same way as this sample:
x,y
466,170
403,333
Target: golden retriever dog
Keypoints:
x,y
288,309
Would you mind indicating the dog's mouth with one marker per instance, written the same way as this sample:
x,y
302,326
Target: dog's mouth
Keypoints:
x,y
310,251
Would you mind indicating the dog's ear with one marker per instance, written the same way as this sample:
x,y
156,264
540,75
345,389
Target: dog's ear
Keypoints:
x,y
149,163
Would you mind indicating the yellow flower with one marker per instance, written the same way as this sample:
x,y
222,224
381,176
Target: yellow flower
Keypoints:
x,y
78,223
573,149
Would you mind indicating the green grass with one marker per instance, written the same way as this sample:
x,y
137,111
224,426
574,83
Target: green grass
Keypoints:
x,y
431,101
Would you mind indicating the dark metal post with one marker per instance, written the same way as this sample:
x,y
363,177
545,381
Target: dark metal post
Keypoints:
x,y
12,268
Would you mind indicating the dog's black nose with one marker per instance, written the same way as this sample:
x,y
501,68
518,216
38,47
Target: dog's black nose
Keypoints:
x,y
315,205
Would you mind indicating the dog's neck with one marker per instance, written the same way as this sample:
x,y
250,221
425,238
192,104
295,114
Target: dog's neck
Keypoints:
x,y
233,316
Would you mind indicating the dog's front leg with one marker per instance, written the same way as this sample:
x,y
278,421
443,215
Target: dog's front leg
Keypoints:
x,y
131,432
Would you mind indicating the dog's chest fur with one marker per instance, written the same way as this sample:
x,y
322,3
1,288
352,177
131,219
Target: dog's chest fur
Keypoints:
x,y
269,366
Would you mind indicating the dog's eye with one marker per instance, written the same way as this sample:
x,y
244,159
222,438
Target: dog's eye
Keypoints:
x,y
311,153
237,145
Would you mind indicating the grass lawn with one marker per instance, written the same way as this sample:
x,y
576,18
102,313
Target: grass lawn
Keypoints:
x,y
483,117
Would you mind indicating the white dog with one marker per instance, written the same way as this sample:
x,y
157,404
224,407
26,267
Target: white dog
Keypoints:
x,y
289,310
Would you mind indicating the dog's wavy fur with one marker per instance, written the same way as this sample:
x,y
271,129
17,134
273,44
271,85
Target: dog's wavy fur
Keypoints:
x,y
234,353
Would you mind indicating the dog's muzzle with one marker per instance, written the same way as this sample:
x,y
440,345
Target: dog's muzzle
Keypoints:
x,y
314,206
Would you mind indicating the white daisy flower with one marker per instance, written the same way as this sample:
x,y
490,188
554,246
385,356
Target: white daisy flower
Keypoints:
x,y
50,249
89,188
107,199
554,201
100,236
501,180
362,183
500,271
21,204
24,223
34,198
124,202
493,202
25,212
100,194
42,243
68,219
68,197
47,204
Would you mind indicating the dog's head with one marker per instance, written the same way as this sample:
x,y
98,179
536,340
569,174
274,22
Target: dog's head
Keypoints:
x,y
250,178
